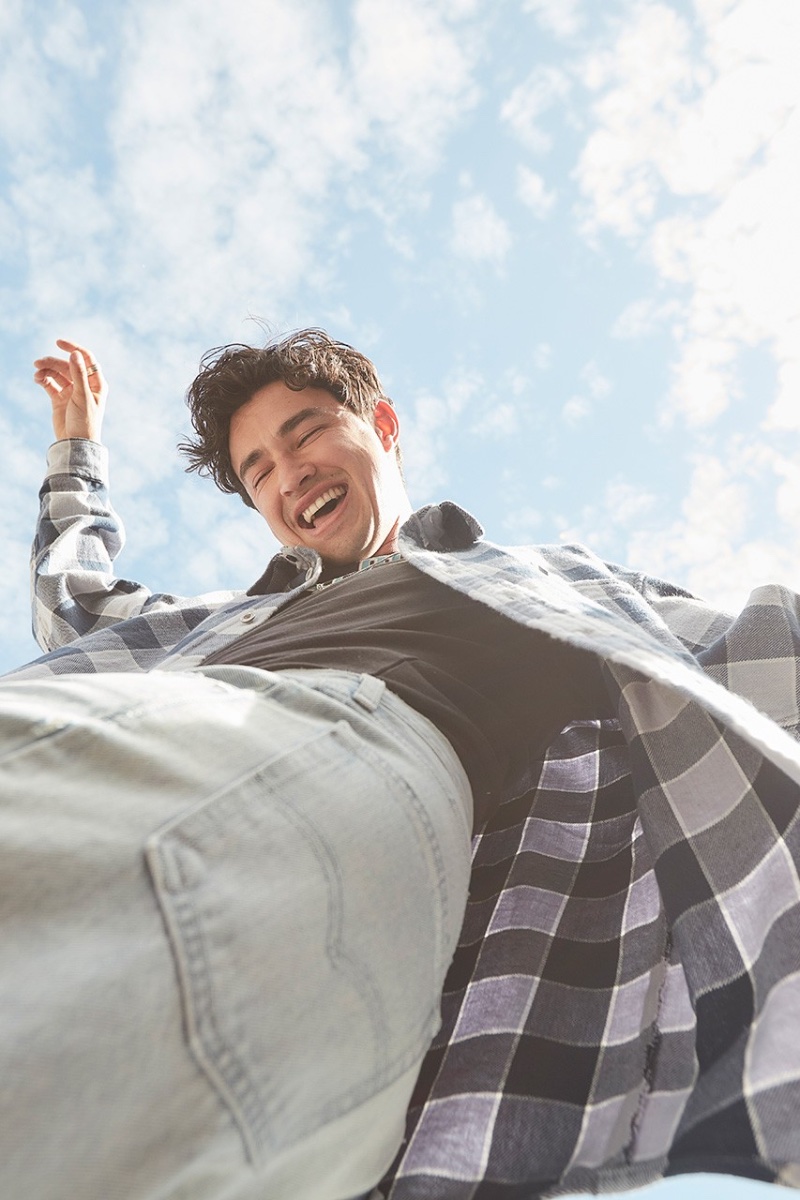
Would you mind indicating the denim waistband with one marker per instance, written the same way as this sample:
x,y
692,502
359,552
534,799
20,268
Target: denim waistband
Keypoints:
x,y
369,696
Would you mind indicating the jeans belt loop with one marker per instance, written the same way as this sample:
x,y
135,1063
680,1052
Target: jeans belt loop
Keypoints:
x,y
369,692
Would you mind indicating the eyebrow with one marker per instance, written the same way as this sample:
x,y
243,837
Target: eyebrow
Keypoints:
x,y
288,426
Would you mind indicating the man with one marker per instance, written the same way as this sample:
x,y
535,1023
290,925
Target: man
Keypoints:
x,y
623,998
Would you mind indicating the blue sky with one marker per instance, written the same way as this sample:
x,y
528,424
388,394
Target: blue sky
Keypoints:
x,y
566,233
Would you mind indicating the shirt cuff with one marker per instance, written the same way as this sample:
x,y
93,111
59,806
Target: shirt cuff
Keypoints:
x,y
78,456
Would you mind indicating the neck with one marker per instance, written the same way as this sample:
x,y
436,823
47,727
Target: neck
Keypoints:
x,y
388,546
389,543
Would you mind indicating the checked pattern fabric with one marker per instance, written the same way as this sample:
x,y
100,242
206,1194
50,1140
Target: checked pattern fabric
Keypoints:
x,y
625,998
624,1002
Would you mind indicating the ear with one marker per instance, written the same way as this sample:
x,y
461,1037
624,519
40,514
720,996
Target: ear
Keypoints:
x,y
386,424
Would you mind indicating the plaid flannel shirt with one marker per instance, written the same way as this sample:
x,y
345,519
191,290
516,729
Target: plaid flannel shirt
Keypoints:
x,y
624,1001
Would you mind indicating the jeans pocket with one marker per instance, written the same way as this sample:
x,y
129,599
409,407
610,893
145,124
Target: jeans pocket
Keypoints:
x,y
304,907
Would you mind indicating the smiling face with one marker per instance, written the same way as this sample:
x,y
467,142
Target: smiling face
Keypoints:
x,y
320,475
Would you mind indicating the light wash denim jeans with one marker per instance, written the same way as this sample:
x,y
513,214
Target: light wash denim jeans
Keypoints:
x,y
228,900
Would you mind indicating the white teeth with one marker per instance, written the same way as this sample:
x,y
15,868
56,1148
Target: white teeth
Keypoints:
x,y
331,494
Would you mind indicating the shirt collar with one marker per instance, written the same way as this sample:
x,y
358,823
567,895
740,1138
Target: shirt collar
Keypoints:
x,y
442,527
438,527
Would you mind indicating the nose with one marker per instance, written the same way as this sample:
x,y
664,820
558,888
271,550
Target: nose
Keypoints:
x,y
294,473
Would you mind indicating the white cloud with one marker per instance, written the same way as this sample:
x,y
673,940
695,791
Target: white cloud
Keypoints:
x,y
425,433
635,81
703,380
413,72
66,222
544,87
712,545
479,232
532,191
731,142
222,167
499,420
596,382
515,382
714,10
30,102
642,317
236,544
714,125
784,413
560,17
621,507
543,356
708,548
67,40
523,525
576,409
579,407
223,172
626,503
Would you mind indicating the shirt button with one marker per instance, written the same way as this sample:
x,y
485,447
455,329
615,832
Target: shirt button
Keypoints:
x,y
248,617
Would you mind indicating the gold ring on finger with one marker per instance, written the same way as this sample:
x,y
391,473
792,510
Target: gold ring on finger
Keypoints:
x,y
93,369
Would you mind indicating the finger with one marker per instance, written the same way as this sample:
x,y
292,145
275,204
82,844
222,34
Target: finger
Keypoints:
x,y
73,347
94,377
50,363
87,377
77,371
50,386
55,376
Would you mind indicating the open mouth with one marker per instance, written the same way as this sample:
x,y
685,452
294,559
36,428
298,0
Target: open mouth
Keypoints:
x,y
323,506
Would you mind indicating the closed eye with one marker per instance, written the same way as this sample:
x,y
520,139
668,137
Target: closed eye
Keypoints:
x,y
309,434
260,477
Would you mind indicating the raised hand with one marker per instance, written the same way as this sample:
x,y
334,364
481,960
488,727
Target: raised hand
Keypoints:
x,y
77,391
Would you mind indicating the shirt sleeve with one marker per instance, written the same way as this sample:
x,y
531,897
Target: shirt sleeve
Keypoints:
x,y
78,537
696,623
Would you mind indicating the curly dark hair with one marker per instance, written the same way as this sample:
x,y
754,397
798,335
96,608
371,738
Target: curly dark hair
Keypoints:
x,y
229,376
